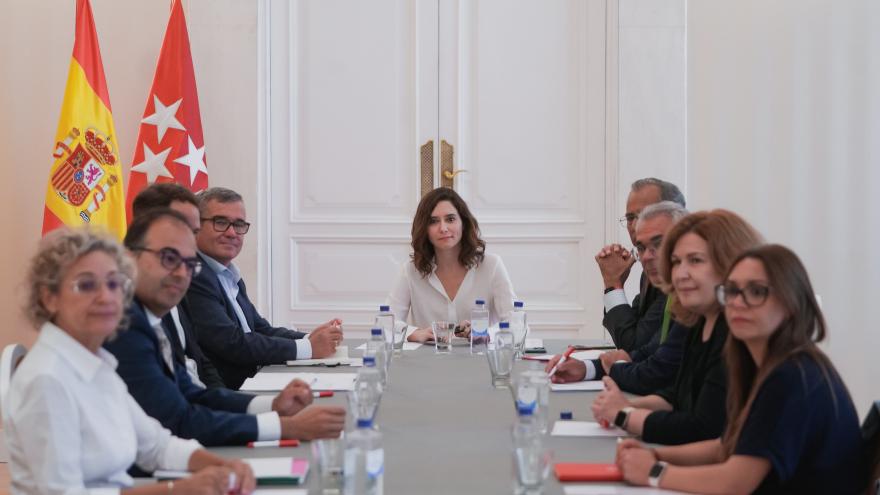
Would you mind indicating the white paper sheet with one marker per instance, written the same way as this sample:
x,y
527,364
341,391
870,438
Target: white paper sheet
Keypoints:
x,y
533,343
331,361
567,428
588,386
582,355
274,382
407,346
600,489
280,491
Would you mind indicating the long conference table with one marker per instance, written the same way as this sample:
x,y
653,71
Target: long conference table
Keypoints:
x,y
447,430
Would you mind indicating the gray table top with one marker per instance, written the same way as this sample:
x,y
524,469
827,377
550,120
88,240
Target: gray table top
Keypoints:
x,y
446,429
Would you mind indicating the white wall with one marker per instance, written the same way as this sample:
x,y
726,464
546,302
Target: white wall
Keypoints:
x,y
784,128
36,41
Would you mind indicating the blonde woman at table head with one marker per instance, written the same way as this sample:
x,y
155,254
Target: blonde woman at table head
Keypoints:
x,y
449,269
70,423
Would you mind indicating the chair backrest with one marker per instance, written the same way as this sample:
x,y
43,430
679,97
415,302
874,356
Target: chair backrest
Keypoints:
x,y
9,361
871,439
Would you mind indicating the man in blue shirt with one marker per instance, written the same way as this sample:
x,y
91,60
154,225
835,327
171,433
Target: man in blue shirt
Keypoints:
x,y
234,336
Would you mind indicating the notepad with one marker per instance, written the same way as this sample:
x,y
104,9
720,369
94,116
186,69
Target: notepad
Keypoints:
x,y
567,428
339,358
577,471
407,346
268,471
279,470
582,355
275,382
604,489
589,386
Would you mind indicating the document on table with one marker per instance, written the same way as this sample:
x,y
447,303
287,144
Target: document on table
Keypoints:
x,y
582,355
587,386
407,346
275,382
567,428
533,343
331,361
604,489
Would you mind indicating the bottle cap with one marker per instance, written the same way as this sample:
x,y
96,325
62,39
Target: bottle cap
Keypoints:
x,y
504,324
375,331
517,304
369,361
565,415
364,423
480,301
384,308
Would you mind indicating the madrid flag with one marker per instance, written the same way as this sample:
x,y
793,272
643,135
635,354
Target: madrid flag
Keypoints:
x,y
85,182
170,147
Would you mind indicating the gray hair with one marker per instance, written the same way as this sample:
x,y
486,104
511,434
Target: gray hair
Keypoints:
x,y
218,194
57,252
671,209
668,190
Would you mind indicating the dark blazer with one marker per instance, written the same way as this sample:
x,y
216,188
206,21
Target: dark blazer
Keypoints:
x,y
211,416
699,394
236,354
625,324
208,374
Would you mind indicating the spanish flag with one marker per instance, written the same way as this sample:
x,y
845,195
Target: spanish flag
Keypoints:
x,y
85,182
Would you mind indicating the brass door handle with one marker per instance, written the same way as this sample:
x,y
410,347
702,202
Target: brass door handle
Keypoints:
x,y
451,175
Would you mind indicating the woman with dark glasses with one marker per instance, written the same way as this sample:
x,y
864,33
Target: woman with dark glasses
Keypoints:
x,y
792,426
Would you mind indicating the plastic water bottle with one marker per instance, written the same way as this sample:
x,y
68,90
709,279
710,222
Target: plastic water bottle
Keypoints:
x,y
385,321
479,327
519,327
367,390
364,464
504,337
377,348
531,463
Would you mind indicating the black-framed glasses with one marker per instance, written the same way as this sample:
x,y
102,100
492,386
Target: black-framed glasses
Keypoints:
x,y
628,219
90,284
753,295
653,247
221,224
170,259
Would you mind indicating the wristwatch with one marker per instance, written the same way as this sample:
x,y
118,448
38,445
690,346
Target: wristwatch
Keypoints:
x,y
623,417
656,473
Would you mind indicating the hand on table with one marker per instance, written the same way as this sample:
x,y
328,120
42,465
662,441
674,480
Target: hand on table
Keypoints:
x,y
609,402
293,398
572,370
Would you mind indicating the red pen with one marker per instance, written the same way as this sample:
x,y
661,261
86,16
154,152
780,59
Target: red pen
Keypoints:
x,y
322,393
565,356
274,443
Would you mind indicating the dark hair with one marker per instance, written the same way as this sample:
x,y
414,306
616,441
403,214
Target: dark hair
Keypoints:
x,y
218,194
472,247
161,195
137,231
798,334
727,235
668,190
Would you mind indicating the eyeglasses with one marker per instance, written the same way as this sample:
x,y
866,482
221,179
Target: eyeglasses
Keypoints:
x,y
653,247
89,284
628,219
753,295
221,224
171,259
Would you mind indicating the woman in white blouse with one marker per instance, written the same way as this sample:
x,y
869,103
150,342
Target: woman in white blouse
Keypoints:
x,y
71,426
449,270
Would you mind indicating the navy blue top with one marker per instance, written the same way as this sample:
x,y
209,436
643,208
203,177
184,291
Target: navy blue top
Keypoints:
x,y
811,437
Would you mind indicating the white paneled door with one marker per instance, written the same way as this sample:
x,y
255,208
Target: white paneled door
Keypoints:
x,y
370,103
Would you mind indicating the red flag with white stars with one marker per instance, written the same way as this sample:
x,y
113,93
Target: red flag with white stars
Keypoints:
x,y
170,146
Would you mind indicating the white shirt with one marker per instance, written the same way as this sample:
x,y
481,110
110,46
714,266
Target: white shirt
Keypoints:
x,y
191,367
229,277
71,426
419,300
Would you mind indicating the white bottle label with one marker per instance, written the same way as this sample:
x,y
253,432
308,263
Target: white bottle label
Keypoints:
x,y
375,463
